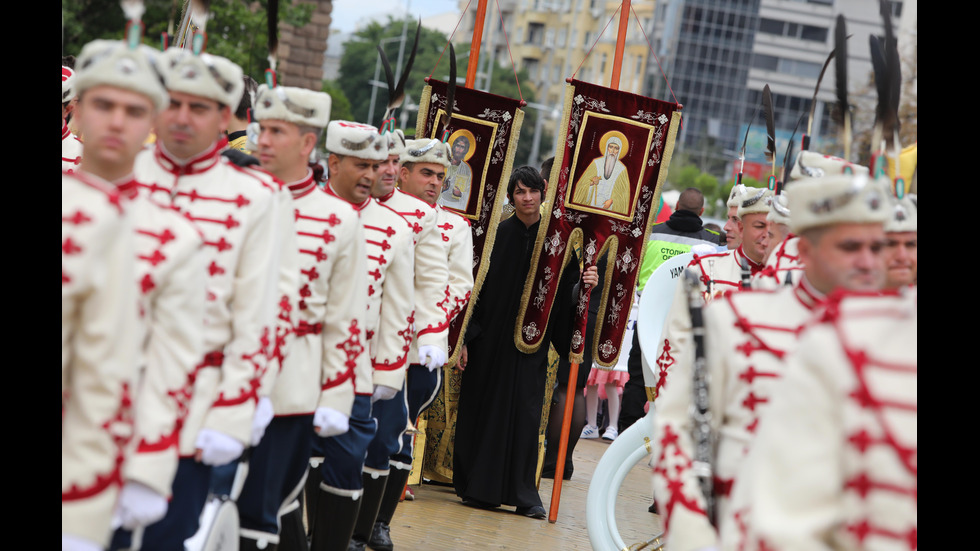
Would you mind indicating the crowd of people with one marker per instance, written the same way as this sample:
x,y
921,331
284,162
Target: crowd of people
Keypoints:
x,y
236,320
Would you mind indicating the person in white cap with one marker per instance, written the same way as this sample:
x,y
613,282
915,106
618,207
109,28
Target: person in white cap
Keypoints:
x,y
120,93
356,151
313,391
100,322
733,235
423,165
389,462
237,212
834,461
747,336
71,147
717,274
783,260
902,244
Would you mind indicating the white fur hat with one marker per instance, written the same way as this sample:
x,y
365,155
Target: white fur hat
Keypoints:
x,y
425,151
904,216
779,209
67,84
205,75
837,199
396,142
114,63
810,164
295,105
356,140
735,196
756,201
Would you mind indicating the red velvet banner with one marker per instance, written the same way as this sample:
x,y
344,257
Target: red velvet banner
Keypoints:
x,y
611,163
482,136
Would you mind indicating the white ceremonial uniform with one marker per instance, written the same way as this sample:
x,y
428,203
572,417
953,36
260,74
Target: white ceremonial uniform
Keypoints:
x,y
718,273
237,213
834,463
747,335
99,352
331,308
782,265
171,277
454,230
287,288
431,270
71,150
390,294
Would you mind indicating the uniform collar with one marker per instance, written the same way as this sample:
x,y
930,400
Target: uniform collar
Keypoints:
x,y
303,186
754,266
360,207
808,295
64,130
200,163
390,194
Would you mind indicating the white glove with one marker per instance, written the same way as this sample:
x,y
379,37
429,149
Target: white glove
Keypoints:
x,y
217,448
330,422
382,392
263,416
138,505
436,356
75,543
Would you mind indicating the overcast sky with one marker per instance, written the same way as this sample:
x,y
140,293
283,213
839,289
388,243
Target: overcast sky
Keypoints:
x,y
349,15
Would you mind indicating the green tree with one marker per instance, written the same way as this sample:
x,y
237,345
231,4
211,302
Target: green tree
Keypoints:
x,y
360,61
339,104
236,29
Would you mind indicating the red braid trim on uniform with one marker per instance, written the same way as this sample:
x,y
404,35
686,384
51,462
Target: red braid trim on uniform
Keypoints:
x,y
675,483
123,416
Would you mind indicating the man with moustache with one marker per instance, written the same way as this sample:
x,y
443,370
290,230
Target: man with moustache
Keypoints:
x,y
389,458
238,213
902,244
356,151
747,337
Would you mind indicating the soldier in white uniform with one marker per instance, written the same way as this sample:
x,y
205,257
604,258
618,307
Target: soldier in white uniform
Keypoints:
x,y
237,211
71,147
902,244
783,262
747,336
717,273
356,151
102,331
834,462
313,391
170,276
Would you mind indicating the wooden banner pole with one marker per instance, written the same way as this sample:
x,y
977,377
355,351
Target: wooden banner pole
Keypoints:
x,y
474,62
624,16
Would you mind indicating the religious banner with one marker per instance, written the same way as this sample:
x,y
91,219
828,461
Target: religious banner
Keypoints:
x,y
482,136
614,149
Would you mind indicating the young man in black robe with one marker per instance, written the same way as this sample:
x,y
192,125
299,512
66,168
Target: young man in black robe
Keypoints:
x,y
496,444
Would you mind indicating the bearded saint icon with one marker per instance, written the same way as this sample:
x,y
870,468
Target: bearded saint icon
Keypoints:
x,y
605,184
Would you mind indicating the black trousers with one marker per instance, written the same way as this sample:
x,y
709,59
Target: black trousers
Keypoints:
x,y
634,391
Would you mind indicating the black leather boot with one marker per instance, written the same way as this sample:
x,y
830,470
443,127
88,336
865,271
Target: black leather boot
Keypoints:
x,y
334,523
374,489
311,495
380,539
292,536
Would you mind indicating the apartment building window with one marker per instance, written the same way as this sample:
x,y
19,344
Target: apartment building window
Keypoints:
x,y
561,37
793,30
535,33
532,65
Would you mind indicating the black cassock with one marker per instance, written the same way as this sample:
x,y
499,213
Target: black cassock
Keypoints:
x,y
502,388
